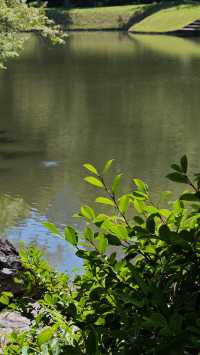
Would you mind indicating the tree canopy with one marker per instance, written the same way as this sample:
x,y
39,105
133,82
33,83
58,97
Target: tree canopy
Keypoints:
x,y
16,17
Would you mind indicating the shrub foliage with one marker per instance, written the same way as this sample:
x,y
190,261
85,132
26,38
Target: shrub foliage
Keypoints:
x,y
16,16
139,292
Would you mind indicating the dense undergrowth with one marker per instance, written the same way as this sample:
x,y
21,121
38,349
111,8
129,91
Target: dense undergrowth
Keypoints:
x,y
139,291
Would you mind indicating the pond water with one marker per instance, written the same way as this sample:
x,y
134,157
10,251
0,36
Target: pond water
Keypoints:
x,y
101,96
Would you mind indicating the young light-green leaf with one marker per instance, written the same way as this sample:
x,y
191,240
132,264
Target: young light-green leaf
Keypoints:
x,y
105,201
116,182
91,168
93,181
102,243
52,228
141,185
88,212
71,235
107,166
45,335
89,234
123,203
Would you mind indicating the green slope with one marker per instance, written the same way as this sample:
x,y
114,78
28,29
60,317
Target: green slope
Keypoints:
x,y
99,18
169,19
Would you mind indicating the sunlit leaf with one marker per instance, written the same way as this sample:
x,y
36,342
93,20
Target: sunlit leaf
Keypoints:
x,y
91,168
123,203
116,182
141,185
94,181
52,228
107,166
45,335
105,201
87,212
102,243
71,235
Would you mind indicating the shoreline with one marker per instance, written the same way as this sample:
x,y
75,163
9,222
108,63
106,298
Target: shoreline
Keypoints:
x,y
148,19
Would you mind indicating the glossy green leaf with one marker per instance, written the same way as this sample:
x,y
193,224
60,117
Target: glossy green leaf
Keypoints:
x,y
89,234
123,203
118,230
139,195
176,168
184,164
91,168
94,181
178,178
105,201
45,335
4,299
87,212
141,185
107,166
100,321
116,182
52,228
71,235
102,243
113,239
189,197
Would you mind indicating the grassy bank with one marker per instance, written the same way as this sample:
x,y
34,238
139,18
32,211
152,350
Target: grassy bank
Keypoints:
x,y
100,18
156,18
173,18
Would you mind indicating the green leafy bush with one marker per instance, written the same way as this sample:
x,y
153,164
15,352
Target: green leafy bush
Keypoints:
x,y
140,289
16,17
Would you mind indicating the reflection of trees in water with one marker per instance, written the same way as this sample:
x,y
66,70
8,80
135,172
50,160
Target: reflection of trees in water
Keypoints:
x,y
101,96
13,210
104,96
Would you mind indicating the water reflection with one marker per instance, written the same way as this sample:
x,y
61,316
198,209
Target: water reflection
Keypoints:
x,y
101,96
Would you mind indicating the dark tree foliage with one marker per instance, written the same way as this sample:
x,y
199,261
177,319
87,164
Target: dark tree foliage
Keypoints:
x,y
94,3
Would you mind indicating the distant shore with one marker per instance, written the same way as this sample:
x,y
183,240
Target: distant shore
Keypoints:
x,y
164,18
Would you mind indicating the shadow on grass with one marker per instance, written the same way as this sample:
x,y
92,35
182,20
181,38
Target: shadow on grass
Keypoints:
x,y
60,16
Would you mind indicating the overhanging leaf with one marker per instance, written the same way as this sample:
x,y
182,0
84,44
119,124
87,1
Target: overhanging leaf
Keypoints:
x,y
178,178
93,181
91,168
184,164
87,212
71,235
105,201
52,228
45,335
123,203
107,166
116,182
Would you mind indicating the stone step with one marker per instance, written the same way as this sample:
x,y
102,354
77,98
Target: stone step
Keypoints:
x,y
190,29
193,26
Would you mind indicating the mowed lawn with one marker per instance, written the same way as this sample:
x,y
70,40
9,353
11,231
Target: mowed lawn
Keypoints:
x,y
169,19
99,18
